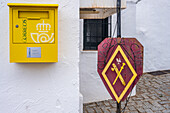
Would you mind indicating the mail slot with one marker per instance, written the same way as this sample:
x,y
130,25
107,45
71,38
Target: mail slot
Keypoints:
x,y
33,33
33,14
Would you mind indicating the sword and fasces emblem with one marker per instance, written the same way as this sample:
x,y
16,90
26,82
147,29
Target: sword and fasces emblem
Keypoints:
x,y
118,73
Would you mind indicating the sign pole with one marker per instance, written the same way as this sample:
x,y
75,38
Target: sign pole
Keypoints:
x,y
118,9
118,107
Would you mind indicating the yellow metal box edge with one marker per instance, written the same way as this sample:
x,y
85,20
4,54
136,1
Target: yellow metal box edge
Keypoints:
x,y
31,5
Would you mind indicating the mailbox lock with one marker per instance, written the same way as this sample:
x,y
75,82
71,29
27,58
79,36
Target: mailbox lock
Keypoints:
x,y
17,26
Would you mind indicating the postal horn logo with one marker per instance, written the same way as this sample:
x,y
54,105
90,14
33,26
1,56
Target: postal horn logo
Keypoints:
x,y
43,36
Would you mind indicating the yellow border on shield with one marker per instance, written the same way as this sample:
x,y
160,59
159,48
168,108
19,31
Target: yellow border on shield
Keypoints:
x,y
131,68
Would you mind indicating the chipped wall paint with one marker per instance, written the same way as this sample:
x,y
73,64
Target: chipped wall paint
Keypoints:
x,y
42,88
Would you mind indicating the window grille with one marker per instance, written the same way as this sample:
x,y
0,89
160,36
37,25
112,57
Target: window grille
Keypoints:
x,y
95,31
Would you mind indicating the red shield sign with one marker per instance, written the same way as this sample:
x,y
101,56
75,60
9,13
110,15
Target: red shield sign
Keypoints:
x,y
120,65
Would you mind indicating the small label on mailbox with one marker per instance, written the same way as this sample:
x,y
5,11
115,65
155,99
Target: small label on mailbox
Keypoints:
x,y
33,52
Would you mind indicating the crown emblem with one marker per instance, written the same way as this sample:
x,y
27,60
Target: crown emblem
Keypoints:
x,y
43,27
43,36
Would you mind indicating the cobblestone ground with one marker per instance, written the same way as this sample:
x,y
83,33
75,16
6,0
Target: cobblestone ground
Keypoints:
x,y
153,96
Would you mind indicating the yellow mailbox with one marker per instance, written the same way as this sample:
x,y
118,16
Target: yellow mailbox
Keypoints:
x,y
33,33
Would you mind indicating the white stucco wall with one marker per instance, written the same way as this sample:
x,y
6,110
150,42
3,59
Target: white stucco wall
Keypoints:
x,y
153,26
42,88
91,85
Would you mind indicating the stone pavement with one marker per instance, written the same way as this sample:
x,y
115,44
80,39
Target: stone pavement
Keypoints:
x,y
153,96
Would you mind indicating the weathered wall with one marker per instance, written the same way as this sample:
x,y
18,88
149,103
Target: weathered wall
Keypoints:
x,y
152,18
42,88
91,85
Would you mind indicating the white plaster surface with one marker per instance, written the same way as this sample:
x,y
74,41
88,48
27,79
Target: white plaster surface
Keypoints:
x,y
153,25
42,88
91,86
